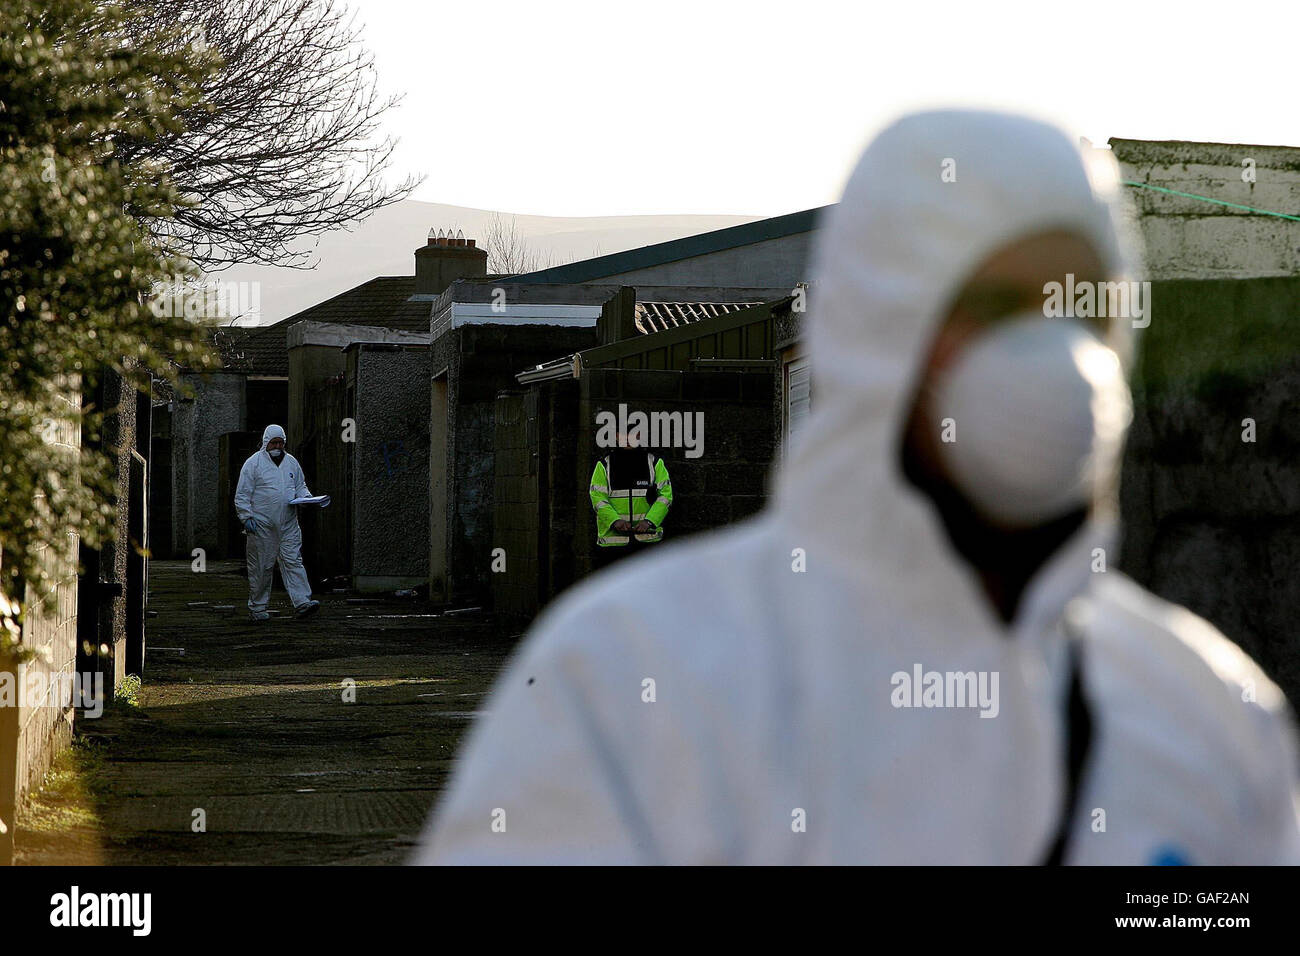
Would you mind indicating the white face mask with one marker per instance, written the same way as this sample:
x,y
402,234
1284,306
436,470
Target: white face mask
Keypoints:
x,y
1039,410
276,452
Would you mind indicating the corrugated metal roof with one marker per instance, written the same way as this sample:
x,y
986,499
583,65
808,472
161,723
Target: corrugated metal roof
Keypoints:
x,y
736,337
654,317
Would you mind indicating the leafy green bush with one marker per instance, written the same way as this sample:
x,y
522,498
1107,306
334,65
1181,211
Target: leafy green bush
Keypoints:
x,y
77,259
129,692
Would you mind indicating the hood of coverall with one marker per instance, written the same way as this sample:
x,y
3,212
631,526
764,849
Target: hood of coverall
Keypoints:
x,y
889,260
272,431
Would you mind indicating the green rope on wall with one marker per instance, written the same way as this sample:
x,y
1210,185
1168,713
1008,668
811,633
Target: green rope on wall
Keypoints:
x,y
1220,202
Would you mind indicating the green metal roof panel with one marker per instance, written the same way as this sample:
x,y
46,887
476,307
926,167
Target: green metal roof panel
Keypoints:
x,y
674,250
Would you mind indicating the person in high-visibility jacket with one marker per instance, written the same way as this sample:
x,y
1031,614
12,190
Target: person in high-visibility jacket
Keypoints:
x,y
631,495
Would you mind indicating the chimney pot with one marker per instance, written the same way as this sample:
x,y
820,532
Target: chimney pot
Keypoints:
x,y
445,258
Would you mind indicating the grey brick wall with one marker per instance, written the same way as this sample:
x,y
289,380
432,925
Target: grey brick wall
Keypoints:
x,y
482,361
515,497
32,735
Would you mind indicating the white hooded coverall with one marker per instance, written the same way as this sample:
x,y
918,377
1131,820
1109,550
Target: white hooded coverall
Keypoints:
x,y
746,715
263,494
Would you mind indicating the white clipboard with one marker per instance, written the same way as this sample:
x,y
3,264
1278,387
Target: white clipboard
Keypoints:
x,y
322,500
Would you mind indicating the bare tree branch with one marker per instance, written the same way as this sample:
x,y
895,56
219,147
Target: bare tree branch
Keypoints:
x,y
284,143
509,252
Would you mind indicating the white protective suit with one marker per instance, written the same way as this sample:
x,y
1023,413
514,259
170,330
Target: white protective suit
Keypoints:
x,y
263,494
769,734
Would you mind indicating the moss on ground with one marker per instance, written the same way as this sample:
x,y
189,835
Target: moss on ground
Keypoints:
x,y
58,824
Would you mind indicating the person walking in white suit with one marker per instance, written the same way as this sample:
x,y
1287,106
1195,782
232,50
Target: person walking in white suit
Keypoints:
x,y
268,481
759,711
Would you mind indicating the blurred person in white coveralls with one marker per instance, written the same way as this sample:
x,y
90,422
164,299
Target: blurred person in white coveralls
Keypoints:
x,y
268,481
949,509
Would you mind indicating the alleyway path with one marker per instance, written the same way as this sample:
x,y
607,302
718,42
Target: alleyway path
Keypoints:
x,y
250,726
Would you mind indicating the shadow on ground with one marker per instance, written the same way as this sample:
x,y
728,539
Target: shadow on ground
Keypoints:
x,y
249,730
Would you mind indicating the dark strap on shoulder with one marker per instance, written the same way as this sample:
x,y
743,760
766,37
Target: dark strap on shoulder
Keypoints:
x,y
1078,736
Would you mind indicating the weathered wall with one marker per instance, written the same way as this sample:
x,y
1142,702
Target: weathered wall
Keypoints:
x,y
564,512
31,735
118,398
534,508
1209,519
726,484
516,505
482,360
327,462
1212,521
197,424
390,520
112,582
1193,239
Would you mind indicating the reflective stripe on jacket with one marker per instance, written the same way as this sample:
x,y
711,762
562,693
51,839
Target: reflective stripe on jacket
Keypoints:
x,y
647,496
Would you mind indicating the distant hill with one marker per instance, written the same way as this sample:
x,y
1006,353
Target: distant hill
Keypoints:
x,y
384,245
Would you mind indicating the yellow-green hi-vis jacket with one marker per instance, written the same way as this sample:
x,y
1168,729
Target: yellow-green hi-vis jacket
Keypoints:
x,y
640,490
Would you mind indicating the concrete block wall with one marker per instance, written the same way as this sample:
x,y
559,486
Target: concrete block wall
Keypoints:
x,y
515,502
536,515
481,361
1212,521
726,484
1193,239
1209,519
32,735
50,629
566,513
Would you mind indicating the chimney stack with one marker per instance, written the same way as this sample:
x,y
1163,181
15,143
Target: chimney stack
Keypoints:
x,y
446,257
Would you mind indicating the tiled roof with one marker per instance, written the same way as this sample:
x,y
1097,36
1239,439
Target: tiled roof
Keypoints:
x,y
383,302
657,316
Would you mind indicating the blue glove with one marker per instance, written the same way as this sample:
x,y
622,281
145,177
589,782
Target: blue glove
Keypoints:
x,y
250,526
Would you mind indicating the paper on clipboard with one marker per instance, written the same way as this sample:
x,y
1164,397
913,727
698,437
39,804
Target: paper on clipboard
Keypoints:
x,y
322,500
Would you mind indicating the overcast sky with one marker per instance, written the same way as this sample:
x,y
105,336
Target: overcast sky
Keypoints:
x,y
572,108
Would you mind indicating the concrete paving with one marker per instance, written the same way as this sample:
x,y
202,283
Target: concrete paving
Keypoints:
x,y
250,726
